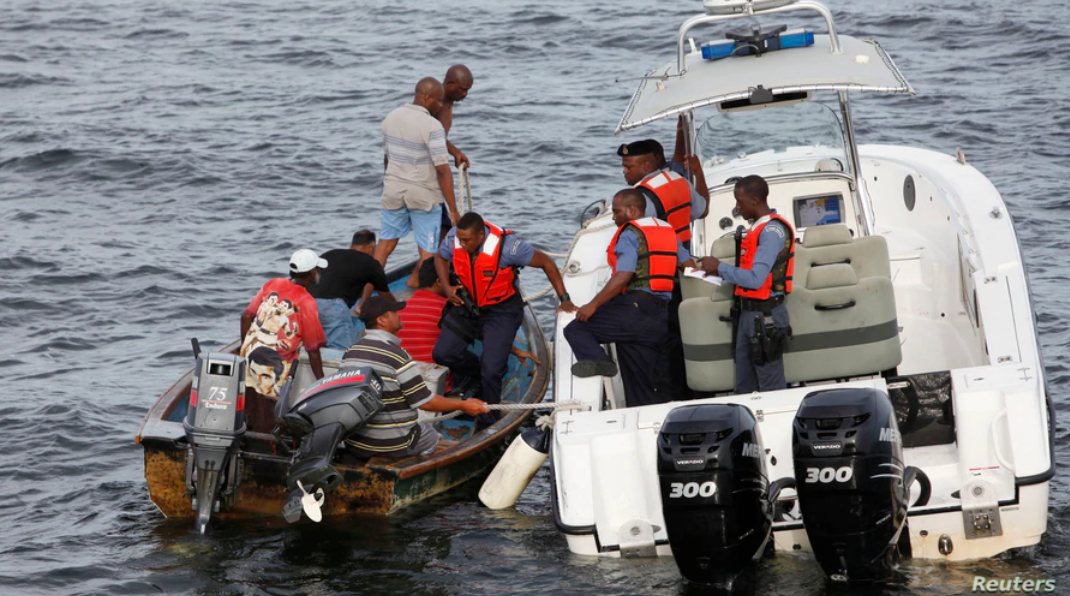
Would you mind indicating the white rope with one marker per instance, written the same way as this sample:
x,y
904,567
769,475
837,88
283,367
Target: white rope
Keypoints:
x,y
565,405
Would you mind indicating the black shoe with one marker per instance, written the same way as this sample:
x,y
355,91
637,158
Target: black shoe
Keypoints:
x,y
594,368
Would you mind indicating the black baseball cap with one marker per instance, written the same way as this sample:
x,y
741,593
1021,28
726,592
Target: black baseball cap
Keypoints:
x,y
377,306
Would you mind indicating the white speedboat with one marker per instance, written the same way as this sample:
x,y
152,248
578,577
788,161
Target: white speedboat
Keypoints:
x,y
909,285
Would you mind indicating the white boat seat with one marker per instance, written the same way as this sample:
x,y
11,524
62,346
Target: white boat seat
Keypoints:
x,y
842,326
826,245
707,340
858,337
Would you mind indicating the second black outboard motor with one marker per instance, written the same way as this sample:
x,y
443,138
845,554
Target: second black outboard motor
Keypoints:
x,y
715,494
214,425
852,484
320,418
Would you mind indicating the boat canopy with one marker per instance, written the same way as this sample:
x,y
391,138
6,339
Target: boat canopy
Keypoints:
x,y
861,66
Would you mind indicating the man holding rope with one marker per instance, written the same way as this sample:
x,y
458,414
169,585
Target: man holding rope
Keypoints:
x,y
394,432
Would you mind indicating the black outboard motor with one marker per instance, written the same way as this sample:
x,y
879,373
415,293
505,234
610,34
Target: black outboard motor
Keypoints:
x,y
852,484
214,426
715,494
320,418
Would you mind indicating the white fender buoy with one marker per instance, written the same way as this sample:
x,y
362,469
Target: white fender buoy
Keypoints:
x,y
516,469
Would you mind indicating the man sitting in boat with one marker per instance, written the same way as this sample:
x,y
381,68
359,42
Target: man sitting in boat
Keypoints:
x,y
352,274
631,309
763,279
486,260
395,432
281,317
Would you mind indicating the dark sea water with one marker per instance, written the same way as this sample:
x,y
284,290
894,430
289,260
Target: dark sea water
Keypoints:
x,y
160,160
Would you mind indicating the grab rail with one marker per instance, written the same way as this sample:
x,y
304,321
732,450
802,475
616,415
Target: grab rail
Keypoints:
x,y
995,440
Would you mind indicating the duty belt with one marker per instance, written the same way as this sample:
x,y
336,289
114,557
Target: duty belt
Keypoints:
x,y
648,297
762,306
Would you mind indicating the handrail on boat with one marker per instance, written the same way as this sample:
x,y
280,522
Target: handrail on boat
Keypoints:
x,y
813,5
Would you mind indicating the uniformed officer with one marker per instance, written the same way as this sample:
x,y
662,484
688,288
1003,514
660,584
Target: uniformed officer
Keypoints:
x,y
672,198
631,310
486,259
762,279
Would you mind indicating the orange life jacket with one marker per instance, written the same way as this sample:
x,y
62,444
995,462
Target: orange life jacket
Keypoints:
x,y
485,279
656,266
779,278
673,204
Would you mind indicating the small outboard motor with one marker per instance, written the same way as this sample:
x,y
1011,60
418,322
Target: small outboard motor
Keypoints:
x,y
852,484
715,495
319,419
214,427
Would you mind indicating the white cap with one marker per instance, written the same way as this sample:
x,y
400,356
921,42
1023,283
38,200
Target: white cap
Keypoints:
x,y
305,260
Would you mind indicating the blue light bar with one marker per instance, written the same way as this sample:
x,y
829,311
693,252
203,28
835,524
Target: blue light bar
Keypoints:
x,y
715,50
796,38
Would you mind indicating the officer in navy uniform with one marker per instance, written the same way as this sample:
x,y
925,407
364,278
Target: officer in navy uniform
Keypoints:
x,y
486,260
672,198
763,279
632,309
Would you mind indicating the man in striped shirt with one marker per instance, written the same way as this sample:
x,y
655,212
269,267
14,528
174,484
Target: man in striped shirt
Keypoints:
x,y
394,432
418,177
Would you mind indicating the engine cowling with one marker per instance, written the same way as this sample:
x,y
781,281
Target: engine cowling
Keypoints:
x,y
852,484
715,494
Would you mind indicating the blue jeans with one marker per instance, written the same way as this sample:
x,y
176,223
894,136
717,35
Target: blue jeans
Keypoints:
x,y
336,322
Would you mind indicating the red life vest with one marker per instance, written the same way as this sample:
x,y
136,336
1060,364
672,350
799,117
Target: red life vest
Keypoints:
x,y
656,266
779,277
673,204
485,279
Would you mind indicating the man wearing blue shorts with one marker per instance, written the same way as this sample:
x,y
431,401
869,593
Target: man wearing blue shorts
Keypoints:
x,y
418,178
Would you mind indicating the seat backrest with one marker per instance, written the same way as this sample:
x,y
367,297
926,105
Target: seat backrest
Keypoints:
x,y
706,334
842,326
826,245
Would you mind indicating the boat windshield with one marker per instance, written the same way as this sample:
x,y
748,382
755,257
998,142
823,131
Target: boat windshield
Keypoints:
x,y
795,136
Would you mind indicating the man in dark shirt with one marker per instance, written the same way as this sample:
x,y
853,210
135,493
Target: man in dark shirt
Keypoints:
x,y
354,274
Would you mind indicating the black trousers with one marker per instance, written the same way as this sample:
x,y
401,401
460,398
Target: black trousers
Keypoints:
x,y
499,324
638,327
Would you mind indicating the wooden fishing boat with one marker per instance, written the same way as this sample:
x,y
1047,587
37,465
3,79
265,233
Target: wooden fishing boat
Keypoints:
x,y
377,486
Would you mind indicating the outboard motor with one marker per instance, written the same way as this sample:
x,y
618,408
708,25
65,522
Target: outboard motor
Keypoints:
x,y
214,425
715,495
319,419
852,484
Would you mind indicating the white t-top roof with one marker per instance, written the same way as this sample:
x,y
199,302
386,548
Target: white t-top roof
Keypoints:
x,y
863,66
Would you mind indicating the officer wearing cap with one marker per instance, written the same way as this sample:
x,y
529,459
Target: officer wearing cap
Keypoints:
x,y
672,198
631,309
394,432
279,320
486,260
763,279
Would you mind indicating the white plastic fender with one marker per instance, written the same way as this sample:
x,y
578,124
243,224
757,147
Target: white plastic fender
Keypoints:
x,y
515,469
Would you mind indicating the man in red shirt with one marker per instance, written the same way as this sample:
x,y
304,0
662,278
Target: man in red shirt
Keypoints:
x,y
419,320
278,321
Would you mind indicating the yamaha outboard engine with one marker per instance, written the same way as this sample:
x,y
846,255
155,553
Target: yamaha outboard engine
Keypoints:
x,y
852,484
715,495
214,425
320,418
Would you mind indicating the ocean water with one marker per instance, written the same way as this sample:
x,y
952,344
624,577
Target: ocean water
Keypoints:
x,y
159,161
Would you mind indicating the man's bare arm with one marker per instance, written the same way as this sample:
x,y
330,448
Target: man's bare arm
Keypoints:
x,y
445,182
